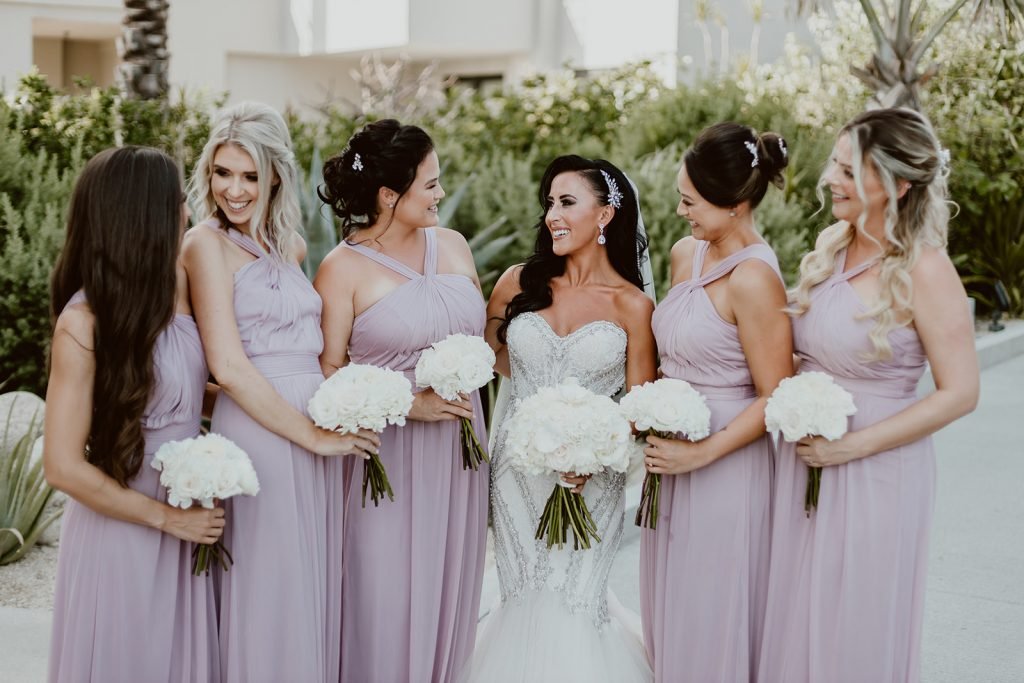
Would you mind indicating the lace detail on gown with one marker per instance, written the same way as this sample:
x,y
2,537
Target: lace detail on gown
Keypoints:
x,y
595,355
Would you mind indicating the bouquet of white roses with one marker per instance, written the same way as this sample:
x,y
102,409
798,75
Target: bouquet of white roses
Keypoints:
x,y
664,408
566,428
809,404
458,364
363,397
199,471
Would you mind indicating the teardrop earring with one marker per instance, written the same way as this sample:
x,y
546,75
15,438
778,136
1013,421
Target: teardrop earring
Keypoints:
x,y
600,237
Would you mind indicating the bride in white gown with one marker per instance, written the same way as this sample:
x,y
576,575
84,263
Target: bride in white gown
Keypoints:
x,y
575,309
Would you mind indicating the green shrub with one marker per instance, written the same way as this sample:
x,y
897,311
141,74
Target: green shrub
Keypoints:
x,y
24,492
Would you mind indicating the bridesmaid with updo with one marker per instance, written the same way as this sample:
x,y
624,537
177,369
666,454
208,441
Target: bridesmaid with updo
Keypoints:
x,y
394,286
723,329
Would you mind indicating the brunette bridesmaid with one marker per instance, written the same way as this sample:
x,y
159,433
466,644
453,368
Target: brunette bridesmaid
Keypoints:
x,y
396,285
260,322
878,298
723,329
127,375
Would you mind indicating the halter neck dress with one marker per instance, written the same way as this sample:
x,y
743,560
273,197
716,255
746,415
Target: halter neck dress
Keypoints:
x,y
414,566
846,584
127,607
275,602
704,570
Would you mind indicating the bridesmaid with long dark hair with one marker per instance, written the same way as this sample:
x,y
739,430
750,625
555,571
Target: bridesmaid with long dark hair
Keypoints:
x,y
878,298
127,375
397,284
260,322
723,329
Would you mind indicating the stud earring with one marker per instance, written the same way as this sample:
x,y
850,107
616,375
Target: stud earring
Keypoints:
x,y
733,214
391,205
600,237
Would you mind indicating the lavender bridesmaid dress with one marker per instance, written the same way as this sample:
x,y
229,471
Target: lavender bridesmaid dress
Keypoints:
x,y
704,570
127,607
846,585
274,611
414,567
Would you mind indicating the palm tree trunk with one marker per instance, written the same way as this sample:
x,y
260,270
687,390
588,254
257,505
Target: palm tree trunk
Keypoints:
x,y
142,73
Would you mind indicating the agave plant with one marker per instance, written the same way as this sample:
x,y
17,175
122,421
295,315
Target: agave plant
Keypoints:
x,y
321,236
24,493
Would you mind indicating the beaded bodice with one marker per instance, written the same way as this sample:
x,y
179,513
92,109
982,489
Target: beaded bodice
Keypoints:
x,y
595,355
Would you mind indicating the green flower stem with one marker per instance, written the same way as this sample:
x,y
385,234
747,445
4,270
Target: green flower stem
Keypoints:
x,y
202,554
813,489
650,497
564,510
472,452
375,477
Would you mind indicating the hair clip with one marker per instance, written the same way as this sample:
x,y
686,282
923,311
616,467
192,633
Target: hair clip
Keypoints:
x,y
944,158
752,148
357,163
614,196
782,146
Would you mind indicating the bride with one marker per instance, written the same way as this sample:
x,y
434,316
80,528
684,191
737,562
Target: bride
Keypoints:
x,y
576,308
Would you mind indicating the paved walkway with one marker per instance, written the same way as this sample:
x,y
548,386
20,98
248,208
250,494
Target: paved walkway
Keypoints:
x,y
974,619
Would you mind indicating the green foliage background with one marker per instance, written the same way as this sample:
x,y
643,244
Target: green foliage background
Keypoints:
x,y
493,148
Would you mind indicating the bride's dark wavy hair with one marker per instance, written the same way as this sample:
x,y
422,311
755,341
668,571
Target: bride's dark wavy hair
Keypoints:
x,y
625,244
121,247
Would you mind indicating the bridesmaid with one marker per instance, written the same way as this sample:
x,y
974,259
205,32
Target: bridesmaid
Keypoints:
x,y
877,299
723,329
396,285
260,322
126,376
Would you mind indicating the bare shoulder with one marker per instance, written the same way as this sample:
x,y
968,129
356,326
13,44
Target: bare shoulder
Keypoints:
x,y
297,247
684,247
682,255
452,238
634,306
933,263
76,323
507,285
754,278
339,263
201,239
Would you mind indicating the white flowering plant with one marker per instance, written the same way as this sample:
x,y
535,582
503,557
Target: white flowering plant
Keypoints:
x,y
567,429
458,364
665,408
364,397
201,471
809,404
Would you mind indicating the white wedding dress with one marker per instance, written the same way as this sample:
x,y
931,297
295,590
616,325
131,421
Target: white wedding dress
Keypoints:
x,y
555,621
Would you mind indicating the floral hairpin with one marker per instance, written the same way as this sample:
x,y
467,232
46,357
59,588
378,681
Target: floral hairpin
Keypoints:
x,y
944,158
357,163
752,148
614,195
782,146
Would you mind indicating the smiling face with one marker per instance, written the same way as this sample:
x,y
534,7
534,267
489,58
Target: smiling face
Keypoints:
x,y
574,213
418,206
707,221
235,185
847,204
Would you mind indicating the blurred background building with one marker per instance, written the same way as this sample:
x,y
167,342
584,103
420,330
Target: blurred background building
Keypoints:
x,y
302,52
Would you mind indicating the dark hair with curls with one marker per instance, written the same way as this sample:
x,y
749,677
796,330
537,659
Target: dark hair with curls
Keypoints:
x,y
720,164
625,244
389,154
121,247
